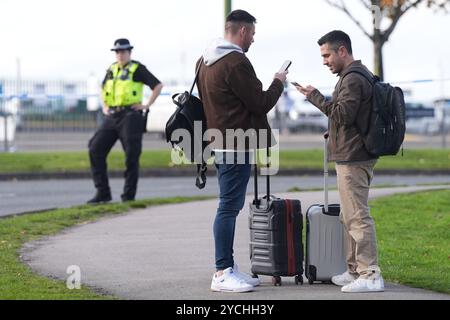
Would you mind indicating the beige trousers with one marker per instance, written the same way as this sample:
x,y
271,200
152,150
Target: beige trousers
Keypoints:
x,y
354,180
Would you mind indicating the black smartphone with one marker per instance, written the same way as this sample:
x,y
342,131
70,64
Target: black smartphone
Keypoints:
x,y
285,66
295,84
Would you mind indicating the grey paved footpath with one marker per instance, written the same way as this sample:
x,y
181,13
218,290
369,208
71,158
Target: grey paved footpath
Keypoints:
x,y
167,253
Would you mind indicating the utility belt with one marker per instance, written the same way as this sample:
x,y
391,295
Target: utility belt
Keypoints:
x,y
115,111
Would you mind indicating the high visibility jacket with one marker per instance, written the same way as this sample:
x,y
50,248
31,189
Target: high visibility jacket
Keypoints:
x,y
119,89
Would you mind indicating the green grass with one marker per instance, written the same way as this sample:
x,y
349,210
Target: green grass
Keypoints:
x,y
428,159
299,189
416,159
413,233
376,186
74,161
17,281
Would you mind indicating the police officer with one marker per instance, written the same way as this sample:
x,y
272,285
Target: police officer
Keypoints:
x,y
122,92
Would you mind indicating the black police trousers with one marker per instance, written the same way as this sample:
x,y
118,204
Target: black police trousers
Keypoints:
x,y
127,126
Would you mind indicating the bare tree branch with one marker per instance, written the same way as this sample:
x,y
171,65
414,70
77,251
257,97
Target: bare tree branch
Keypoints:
x,y
387,33
412,5
399,12
367,4
333,4
395,9
344,9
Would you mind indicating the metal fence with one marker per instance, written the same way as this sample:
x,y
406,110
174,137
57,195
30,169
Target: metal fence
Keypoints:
x,y
38,112
44,106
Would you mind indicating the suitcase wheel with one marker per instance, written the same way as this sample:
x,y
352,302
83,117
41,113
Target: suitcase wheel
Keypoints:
x,y
299,279
311,277
276,281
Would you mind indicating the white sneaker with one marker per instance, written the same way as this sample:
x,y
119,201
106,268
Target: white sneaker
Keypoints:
x,y
343,279
246,277
229,282
365,285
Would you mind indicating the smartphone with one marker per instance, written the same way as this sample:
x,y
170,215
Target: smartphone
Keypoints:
x,y
285,66
295,84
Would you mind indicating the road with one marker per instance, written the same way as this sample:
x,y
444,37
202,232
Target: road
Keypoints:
x,y
77,141
24,196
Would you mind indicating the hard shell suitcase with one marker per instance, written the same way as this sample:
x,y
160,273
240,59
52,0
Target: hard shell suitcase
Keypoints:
x,y
325,252
276,247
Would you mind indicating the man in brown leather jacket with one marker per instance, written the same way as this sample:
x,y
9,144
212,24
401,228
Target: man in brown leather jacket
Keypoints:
x,y
348,113
233,100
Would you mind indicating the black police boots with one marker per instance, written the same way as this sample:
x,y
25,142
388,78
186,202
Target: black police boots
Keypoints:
x,y
126,198
100,198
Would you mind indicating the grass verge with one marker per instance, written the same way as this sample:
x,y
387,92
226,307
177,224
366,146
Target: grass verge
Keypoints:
x,y
414,239
17,281
420,159
415,159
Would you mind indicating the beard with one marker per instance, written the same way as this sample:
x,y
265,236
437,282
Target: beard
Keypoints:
x,y
246,47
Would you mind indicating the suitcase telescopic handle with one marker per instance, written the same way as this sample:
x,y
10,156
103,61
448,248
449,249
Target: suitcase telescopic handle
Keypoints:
x,y
257,202
325,169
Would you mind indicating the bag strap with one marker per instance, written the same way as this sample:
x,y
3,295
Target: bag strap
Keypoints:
x,y
371,78
196,76
176,95
200,181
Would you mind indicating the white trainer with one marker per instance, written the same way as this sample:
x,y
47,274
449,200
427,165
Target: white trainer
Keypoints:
x,y
365,285
229,282
246,277
343,279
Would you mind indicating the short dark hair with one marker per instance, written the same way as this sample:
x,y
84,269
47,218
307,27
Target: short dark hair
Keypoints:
x,y
240,16
236,19
337,39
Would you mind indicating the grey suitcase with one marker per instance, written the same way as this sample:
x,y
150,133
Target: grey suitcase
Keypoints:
x,y
325,252
276,247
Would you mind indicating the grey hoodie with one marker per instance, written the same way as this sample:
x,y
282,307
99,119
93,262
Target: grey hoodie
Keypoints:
x,y
218,49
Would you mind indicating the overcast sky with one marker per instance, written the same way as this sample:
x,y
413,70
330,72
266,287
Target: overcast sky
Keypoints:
x,y
71,39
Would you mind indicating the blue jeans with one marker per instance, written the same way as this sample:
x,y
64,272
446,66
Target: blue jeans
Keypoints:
x,y
233,180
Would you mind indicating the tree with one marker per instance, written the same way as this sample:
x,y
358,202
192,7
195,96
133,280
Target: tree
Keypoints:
x,y
380,9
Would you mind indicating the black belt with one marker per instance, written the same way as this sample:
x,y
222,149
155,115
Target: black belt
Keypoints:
x,y
116,110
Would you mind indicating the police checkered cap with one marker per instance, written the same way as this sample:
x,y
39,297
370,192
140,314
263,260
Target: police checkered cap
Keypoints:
x,y
122,44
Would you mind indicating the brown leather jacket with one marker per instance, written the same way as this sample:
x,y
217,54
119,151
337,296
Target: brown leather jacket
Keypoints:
x,y
233,97
348,113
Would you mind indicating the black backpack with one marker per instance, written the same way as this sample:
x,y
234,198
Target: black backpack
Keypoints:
x,y
386,129
189,110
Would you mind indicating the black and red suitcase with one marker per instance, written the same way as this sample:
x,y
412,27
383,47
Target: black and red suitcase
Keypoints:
x,y
276,247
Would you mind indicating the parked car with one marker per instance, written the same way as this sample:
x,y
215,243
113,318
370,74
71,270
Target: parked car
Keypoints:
x,y
304,116
442,107
421,119
159,113
428,119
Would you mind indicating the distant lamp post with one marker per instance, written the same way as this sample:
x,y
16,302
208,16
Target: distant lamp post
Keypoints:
x,y
444,126
228,4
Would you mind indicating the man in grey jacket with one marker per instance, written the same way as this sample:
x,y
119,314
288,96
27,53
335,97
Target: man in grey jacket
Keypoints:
x,y
348,113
